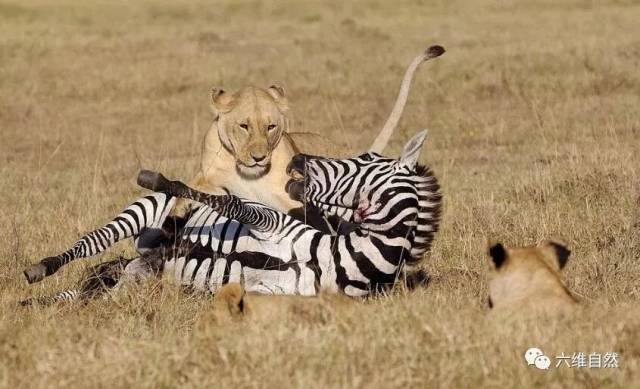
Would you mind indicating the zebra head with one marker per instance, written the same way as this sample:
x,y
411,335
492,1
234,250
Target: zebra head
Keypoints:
x,y
367,189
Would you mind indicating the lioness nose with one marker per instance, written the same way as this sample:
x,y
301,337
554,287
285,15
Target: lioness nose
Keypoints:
x,y
258,157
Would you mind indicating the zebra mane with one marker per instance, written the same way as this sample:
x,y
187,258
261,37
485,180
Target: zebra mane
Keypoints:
x,y
429,212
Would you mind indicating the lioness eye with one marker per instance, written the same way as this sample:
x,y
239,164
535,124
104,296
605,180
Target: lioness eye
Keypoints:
x,y
244,126
271,127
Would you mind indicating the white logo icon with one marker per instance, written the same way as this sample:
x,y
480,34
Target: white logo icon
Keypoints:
x,y
531,354
535,356
542,362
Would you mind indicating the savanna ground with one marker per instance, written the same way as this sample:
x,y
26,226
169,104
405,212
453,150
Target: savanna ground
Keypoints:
x,y
533,119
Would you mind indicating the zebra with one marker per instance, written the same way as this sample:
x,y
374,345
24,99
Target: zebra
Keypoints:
x,y
208,234
388,198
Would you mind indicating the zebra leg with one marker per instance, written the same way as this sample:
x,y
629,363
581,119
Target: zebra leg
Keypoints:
x,y
104,277
147,212
142,268
65,296
96,281
255,215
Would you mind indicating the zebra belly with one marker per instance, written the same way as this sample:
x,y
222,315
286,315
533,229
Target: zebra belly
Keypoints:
x,y
208,274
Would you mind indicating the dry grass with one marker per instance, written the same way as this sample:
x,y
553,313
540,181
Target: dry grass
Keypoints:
x,y
534,126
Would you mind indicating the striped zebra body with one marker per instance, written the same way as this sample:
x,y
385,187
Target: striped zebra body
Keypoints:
x,y
208,273
305,260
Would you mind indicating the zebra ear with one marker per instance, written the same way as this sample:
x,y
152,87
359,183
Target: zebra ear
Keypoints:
x,y
411,152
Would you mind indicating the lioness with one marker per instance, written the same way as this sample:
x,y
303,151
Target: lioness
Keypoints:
x,y
528,278
245,151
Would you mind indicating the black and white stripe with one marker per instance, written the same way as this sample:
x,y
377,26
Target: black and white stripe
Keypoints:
x,y
65,296
336,187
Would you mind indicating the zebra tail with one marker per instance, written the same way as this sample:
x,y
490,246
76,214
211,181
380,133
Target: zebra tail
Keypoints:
x,y
64,296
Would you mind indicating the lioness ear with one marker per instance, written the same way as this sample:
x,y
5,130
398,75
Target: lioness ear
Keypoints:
x,y
221,101
277,92
411,152
498,254
560,251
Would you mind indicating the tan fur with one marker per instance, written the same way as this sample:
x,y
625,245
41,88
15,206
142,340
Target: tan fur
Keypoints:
x,y
228,148
529,279
232,303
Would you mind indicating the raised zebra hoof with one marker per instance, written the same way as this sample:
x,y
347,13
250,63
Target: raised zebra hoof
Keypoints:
x,y
35,273
153,181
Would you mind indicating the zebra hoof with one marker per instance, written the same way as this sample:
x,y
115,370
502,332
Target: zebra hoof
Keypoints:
x,y
35,273
153,181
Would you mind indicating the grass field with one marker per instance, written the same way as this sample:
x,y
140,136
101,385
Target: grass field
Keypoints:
x,y
534,123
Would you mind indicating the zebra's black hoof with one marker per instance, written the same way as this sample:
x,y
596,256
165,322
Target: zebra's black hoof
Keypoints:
x,y
35,273
153,181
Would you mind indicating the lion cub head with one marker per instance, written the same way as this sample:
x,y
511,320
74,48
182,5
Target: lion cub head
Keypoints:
x,y
528,278
250,124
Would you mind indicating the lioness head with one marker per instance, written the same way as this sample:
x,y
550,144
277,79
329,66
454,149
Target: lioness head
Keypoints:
x,y
528,278
250,125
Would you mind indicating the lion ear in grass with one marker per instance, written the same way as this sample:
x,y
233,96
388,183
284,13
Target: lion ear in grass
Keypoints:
x,y
498,254
221,101
557,251
278,95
